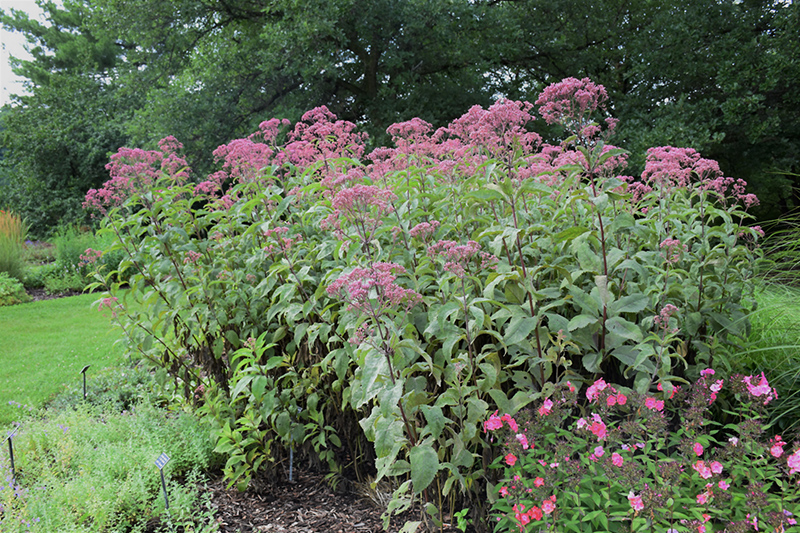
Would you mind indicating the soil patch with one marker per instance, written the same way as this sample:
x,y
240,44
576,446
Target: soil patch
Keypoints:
x,y
308,505
42,294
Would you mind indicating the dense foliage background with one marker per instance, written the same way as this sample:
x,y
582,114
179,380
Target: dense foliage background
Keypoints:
x,y
716,75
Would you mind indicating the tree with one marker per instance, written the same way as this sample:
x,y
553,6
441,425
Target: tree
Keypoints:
x,y
56,141
716,75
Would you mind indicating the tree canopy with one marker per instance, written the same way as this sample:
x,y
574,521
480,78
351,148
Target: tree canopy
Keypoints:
x,y
716,75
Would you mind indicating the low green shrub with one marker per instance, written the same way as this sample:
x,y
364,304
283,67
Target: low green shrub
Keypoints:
x,y
11,291
36,274
39,252
91,469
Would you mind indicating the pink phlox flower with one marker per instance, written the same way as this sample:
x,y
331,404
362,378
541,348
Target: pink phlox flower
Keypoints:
x,y
538,482
724,485
793,462
503,492
494,422
703,470
636,501
594,389
549,505
598,428
697,449
508,419
761,389
546,408
776,450
616,459
597,454
716,467
511,459
523,440
653,404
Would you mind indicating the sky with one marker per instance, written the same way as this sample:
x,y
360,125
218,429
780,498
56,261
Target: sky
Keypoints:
x,y
13,45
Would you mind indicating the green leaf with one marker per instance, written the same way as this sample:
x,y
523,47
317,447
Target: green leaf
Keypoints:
x,y
519,329
424,466
591,361
582,321
623,328
569,234
633,303
435,419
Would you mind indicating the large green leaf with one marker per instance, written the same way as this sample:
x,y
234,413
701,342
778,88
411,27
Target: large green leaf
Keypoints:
x,y
424,466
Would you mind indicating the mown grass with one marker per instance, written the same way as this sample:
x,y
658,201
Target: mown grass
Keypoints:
x,y
45,344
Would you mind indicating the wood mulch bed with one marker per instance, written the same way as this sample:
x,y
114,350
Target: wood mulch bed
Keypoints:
x,y
307,505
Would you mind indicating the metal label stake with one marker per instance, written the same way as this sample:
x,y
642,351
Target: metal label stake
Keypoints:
x,y
11,454
162,460
83,371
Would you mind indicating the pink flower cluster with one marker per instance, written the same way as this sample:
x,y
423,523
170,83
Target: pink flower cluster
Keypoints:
x,y
761,389
500,130
373,290
661,320
597,427
460,258
672,249
534,513
280,243
707,470
636,501
600,389
192,257
361,206
570,101
320,136
90,256
424,230
671,167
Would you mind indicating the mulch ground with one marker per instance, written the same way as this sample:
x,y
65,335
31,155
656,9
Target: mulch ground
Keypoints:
x,y
41,294
307,505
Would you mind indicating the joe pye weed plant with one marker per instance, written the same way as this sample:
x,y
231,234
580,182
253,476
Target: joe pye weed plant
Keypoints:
x,y
371,310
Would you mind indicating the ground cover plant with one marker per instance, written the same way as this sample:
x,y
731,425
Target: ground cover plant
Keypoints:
x,y
46,344
89,466
372,310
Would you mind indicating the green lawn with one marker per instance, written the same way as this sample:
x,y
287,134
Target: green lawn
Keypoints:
x,y
45,344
